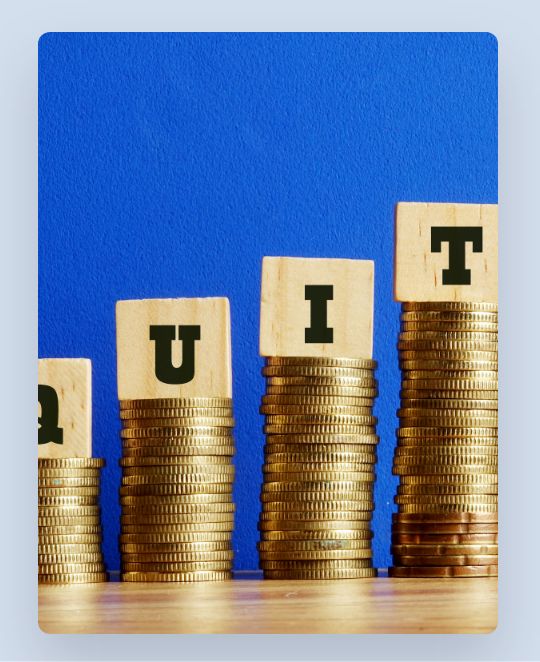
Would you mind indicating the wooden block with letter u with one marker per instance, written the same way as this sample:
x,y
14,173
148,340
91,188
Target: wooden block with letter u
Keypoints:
x,y
65,408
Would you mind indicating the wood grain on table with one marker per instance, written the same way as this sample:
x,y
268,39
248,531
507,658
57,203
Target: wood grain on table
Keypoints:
x,y
251,605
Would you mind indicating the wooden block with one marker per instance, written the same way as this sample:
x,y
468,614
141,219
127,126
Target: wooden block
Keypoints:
x,y
170,348
446,252
64,408
317,307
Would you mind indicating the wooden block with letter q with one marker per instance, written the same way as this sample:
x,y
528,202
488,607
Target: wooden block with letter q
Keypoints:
x,y
64,408
172,348
446,252
317,307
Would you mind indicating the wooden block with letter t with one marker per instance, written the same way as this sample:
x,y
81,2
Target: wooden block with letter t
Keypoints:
x,y
173,348
64,408
446,252
317,307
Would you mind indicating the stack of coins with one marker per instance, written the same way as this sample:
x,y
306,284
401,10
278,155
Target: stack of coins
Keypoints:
x,y
176,494
320,452
69,533
446,456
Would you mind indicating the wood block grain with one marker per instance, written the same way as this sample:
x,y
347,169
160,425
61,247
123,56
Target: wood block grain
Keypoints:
x,y
153,365
64,408
422,256
287,307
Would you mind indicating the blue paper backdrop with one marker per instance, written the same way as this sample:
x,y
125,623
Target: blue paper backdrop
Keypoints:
x,y
169,164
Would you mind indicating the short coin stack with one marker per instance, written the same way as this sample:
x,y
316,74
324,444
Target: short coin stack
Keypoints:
x,y
446,457
176,494
69,525
320,452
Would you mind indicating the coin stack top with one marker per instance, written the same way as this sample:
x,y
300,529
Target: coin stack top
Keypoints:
x,y
320,451
176,494
69,524
447,453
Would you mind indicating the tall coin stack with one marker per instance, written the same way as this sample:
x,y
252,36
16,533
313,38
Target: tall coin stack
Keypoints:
x,y
320,452
446,457
69,525
176,494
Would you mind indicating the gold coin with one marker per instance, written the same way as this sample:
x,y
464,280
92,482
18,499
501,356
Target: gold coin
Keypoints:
x,y
315,371
286,411
160,403
176,520
318,535
286,478
452,571
436,469
296,525
315,515
460,518
447,499
445,432
169,549
215,450
176,461
429,508
449,384
343,452
80,557
325,361
322,439
178,528
444,550
178,508
448,489
446,345
200,576
188,469
446,306
439,560
71,533
71,542
300,467
64,473
313,400
179,423
328,485
443,449
149,500
353,573
449,421
193,566
338,564
73,578
67,500
67,510
450,316
61,551
458,442
441,528
304,391
445,538
448,355
471,479
458,414
68,568
454,403
306,505
314,545
69,483
313,380
320,458
71,463
202,433
439,394
174,538
179,412
449,326
307,428
455,364
178,557
326,555
63,522
478,375
445,335
63,492
315,500
177,483
422,457
164,489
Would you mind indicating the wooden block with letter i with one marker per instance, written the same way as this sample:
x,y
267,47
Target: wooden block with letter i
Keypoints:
x,y
317,307
174,348
64,408
446,252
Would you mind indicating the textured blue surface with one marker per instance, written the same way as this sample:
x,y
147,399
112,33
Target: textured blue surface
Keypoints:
x,y
169,164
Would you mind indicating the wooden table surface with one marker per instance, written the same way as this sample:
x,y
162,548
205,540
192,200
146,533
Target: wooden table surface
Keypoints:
x,y
250,605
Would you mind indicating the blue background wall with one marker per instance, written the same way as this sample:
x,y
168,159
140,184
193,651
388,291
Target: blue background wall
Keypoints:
x,y
169,164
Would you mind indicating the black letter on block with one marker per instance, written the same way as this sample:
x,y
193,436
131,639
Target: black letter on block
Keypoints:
x,y
163,337
319,295
456,274
48,430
